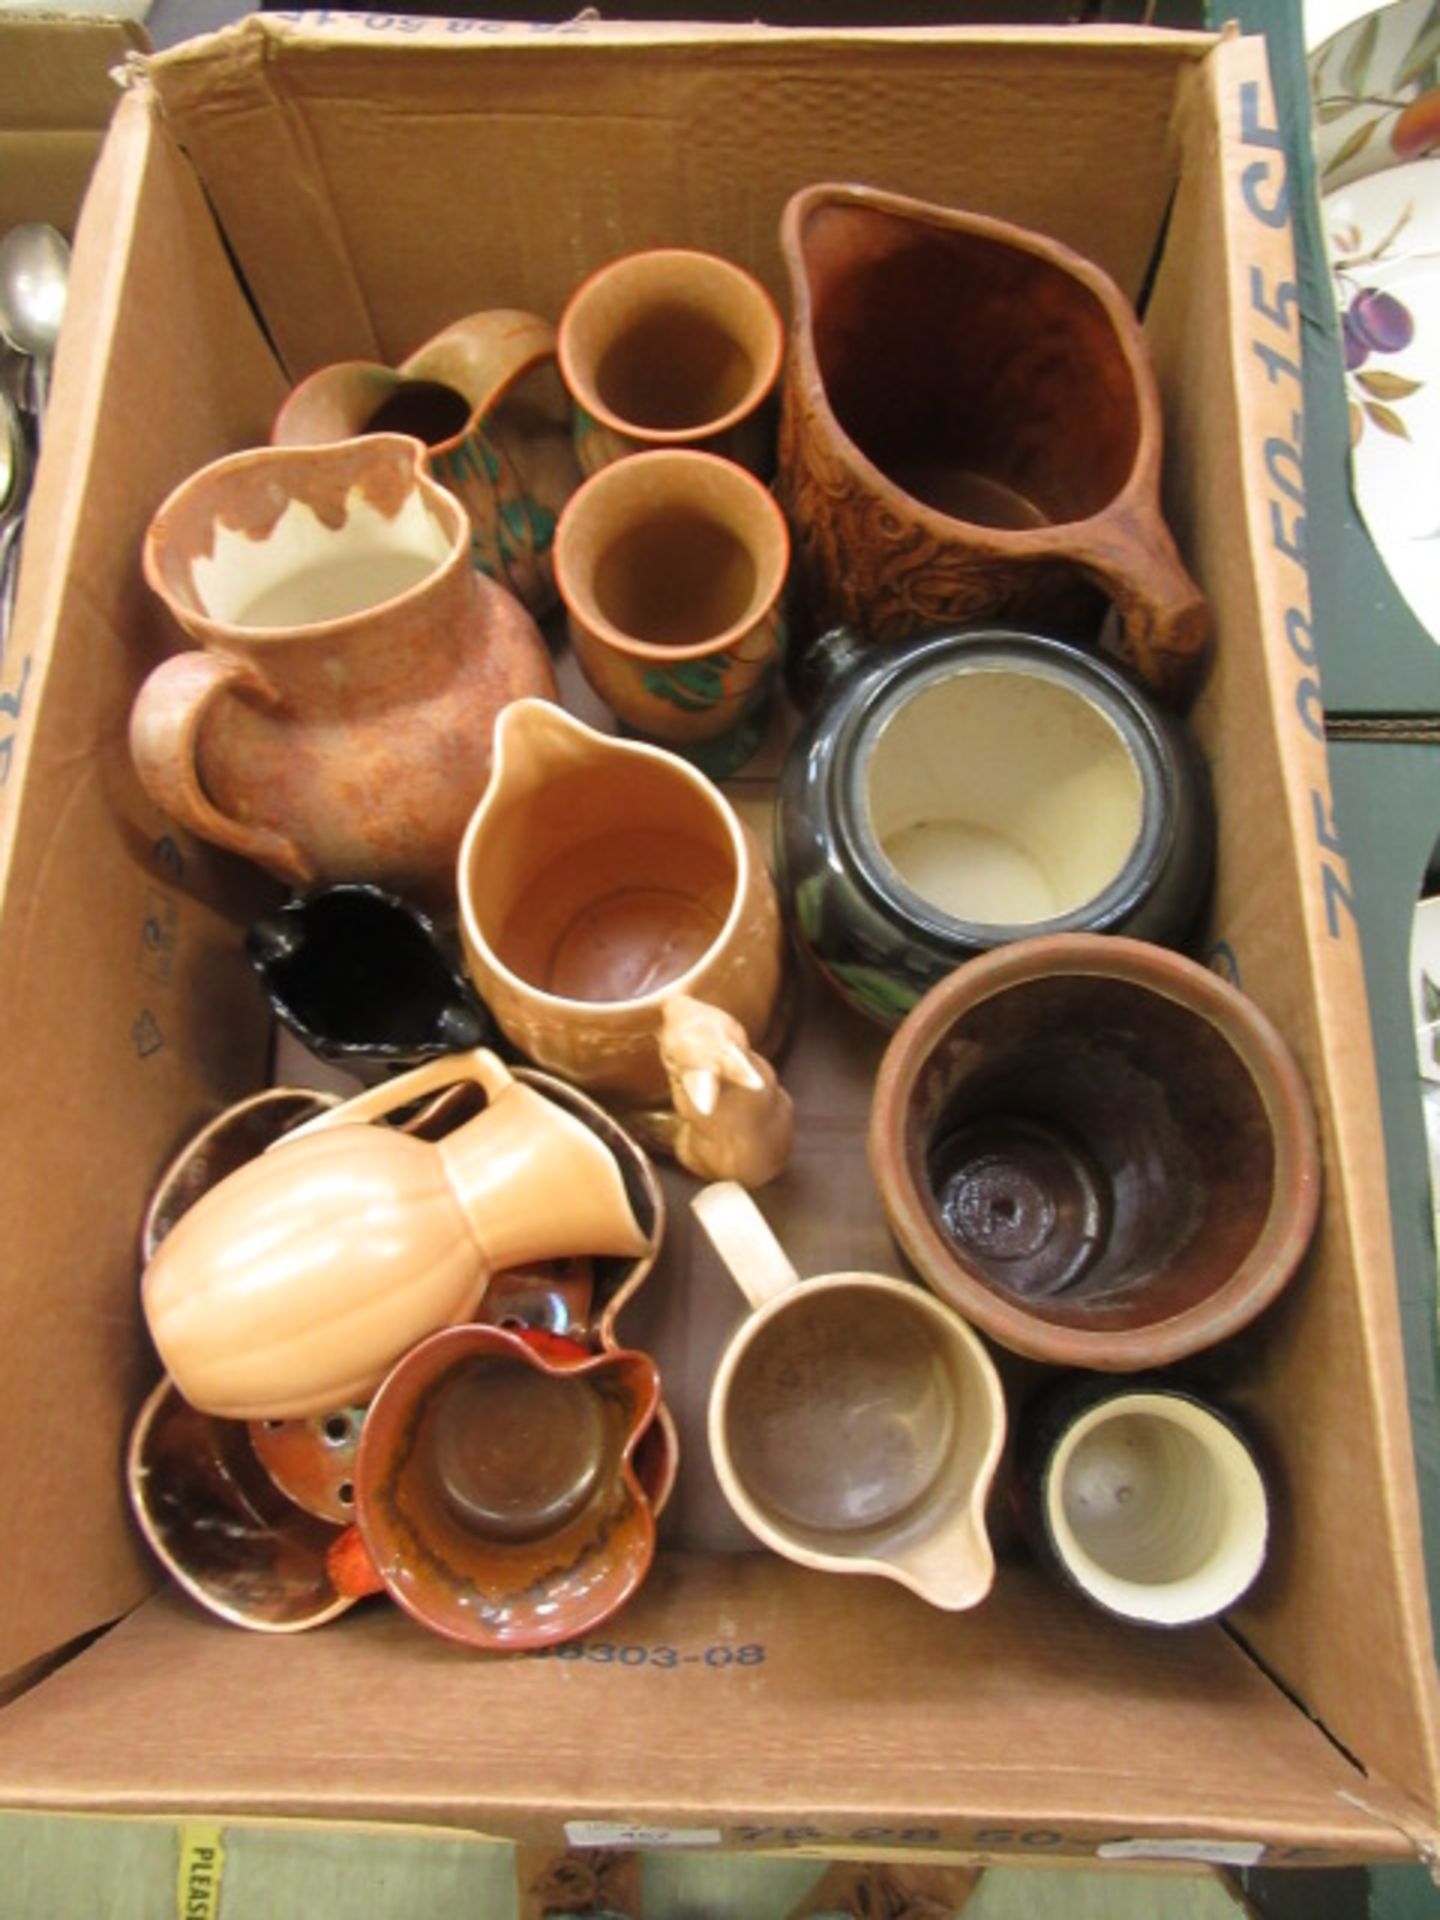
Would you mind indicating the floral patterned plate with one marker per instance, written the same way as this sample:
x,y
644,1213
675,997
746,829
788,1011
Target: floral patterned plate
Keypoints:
x,y
1383,236
1375,92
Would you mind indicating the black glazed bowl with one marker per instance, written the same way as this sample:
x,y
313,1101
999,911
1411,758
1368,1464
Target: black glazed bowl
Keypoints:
x,y
361,978
967,789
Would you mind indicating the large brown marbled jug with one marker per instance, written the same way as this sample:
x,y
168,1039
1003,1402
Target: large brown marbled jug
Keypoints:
x,y
970,428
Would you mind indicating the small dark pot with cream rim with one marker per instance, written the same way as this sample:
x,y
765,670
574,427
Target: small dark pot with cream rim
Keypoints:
x,y
966,789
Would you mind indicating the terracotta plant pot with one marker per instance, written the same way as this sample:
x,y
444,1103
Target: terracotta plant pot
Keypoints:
x,y
970,430
1103,1154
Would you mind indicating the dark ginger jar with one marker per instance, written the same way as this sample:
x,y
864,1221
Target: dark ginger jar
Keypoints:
x,y
966,789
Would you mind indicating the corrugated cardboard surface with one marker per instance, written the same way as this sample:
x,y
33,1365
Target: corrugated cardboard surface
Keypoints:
x,y
56,96
374,184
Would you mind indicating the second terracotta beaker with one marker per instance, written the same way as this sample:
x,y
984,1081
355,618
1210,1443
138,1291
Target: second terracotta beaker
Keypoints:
x,y
970,429
672,566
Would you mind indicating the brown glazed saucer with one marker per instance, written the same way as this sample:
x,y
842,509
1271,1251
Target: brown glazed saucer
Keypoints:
x,y
496,1488
1100,1152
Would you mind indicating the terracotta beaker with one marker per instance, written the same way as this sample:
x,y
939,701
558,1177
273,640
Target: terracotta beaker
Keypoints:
x,y
672,567
335,722
672,348
486,397
970,429
291,1287
598,877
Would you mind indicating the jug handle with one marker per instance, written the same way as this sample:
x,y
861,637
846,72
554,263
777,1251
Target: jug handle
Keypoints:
x,y
165,725
482,1066
1164,621
741,1235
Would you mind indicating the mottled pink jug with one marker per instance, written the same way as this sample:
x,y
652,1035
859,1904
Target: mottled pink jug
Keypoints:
x,y
334,721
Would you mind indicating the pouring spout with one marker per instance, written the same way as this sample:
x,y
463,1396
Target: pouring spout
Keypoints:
x,y
953,1567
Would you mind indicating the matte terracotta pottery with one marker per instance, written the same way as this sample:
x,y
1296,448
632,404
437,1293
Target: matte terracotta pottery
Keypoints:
x,y
672,566
958,791
597,877
1144,1497
294,1285
335,722
221,1527
496,1490
855,1421
1102,1153
582,1297
672,348
486,398
970,430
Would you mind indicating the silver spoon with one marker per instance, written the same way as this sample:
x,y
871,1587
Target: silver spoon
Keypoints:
x,y
15,473
34,280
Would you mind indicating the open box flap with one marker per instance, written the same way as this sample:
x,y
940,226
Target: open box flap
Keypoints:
x,y
339,274
1362,1663
737,1692
82,855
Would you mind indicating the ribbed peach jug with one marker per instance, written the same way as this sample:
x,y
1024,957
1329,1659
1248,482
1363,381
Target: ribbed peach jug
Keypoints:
x,y
296,1283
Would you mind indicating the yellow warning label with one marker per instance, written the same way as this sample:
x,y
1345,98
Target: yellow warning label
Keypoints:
x,y
202,1861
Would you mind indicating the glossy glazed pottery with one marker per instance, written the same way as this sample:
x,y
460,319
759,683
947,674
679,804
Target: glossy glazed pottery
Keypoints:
x,y
672,566
239,1133
1145,1498
334,723
496,1486
486,398
672,348
312,1461
1100,1152
221,1527
962,790
970,430
359,976
597,877
855,1421
293,1286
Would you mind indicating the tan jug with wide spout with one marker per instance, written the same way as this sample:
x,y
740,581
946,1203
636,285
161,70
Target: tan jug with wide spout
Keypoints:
x,y
598,878
970,429
294,1285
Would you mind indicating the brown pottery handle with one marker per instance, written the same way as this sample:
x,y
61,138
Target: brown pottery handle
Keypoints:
x,y
165,725
1164,621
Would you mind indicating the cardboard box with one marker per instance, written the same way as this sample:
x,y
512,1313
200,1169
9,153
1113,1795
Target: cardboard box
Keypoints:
x,y
56,97
295,191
